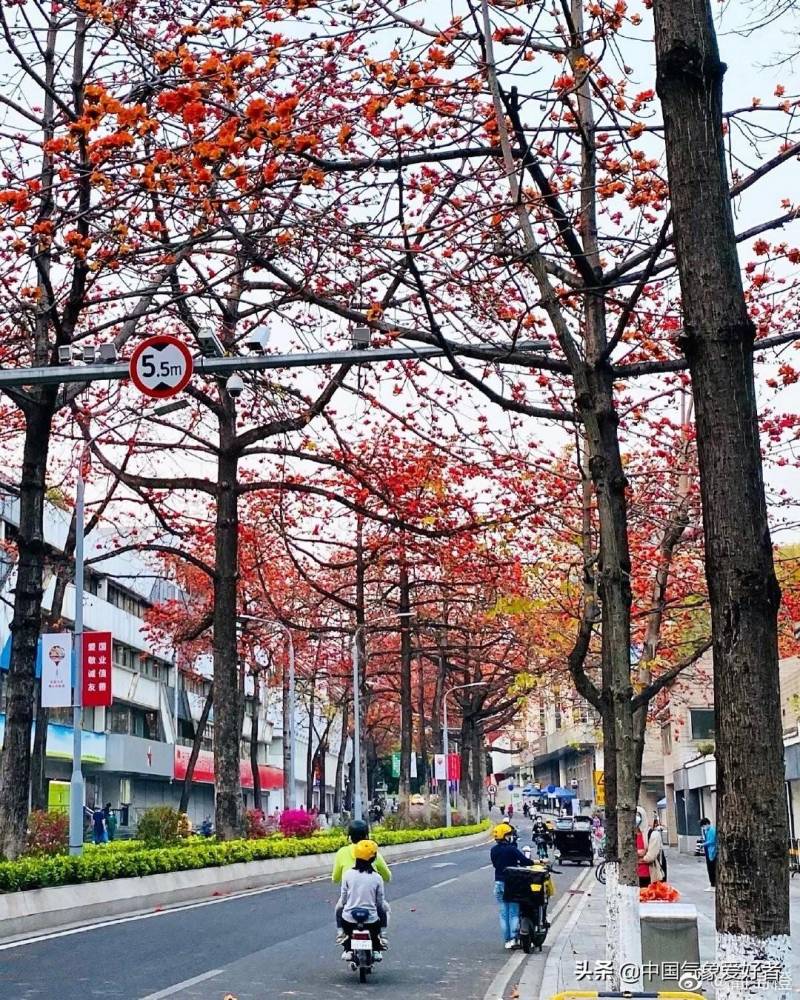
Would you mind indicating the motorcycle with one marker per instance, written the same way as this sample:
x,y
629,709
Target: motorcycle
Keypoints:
x,y
528,888
362,955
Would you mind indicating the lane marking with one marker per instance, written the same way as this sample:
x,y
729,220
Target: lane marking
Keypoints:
x,y
447,881
172,990
182,907
444,864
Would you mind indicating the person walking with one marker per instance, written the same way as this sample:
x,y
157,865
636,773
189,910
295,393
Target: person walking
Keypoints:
x,y
709,834
111,821
510,811
653,854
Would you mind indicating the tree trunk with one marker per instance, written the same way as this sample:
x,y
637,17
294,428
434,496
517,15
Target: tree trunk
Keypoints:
x,y
337,792
257,804
186,791
288,722
312,736
753,883
39,754
227,697
25,626
406,716
478,771
424,777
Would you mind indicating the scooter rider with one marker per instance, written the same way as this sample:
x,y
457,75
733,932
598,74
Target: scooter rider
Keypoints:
x,y
505,854
541,837
345,859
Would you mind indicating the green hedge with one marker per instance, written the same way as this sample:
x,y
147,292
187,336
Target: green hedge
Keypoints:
x,y
99,864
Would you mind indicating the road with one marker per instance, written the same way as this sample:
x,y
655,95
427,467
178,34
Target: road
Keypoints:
x,y
445,944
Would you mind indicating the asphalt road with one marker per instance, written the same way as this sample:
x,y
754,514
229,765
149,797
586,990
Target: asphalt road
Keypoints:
x,y
445,944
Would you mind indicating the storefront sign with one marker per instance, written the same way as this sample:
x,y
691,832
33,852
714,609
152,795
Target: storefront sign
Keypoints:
x,y
600,789
271,778
59,743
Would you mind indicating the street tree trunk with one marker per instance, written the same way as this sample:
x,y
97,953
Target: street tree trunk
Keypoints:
x,y
424,777
25,625
288,722
312,738
753,882
186,791
229,804
257,804
337,792
406,716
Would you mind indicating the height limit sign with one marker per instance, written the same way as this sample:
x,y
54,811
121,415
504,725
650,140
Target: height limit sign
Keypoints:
x,y
161,366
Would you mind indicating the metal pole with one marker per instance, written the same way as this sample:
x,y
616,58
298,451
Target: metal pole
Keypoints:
x,y
76,787
175,694
358,806
448,815
292,725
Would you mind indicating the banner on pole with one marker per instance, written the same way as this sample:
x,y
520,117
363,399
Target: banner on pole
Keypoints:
x,y
96,669
56,670
413,773
439,767
396,765
454,767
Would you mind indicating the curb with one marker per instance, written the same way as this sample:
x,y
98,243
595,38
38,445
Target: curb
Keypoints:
x,y
38,911
560,930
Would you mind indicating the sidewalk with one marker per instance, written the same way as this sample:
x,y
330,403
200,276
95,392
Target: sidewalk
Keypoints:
x,y
578,945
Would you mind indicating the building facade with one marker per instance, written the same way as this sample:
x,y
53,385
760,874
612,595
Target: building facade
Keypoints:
x,y
135,752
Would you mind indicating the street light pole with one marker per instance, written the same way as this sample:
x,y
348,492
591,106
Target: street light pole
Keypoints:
x,y
446,747
76,786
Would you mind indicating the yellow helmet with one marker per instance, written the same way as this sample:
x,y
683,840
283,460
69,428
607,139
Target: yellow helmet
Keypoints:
x,y
365,850
502,830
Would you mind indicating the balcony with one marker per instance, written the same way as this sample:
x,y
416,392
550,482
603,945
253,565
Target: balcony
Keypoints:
x,y
573,737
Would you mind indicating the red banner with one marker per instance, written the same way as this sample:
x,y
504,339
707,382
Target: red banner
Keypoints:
x,y
454,767
271,777
96,669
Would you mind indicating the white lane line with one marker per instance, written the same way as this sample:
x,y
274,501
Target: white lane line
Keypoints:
x,y
172,990
445,864
447,881
181,907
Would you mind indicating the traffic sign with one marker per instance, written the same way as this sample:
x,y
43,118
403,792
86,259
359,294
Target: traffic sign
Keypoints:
x,y
492,789
161,366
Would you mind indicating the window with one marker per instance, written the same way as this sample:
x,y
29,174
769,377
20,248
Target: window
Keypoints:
x,y
125,797
132,604
558,712
92,584
666,739
128,720
702,722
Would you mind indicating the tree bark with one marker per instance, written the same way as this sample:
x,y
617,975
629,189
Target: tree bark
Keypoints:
x,y
25,626
257,804
186,791
406,717
312,736
424,778
753,882
227,696
337,792
288,722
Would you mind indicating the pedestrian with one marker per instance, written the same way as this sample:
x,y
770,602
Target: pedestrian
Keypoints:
x,y
657,829
643,868
505,854
99,831
510,811
709,835
111,821
502,810
653,854
526,810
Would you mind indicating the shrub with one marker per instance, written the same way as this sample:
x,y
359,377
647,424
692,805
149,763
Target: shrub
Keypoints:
x,y
200,852
48,832
297,823
160,826
255,824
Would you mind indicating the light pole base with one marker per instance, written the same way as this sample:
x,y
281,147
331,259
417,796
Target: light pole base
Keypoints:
x,y
76,796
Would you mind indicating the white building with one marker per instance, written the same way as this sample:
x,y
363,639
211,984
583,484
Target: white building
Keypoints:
x,y
135,752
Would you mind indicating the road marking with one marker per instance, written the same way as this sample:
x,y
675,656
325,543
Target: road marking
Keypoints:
x,y
181,907
447,881
172,990
445,864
